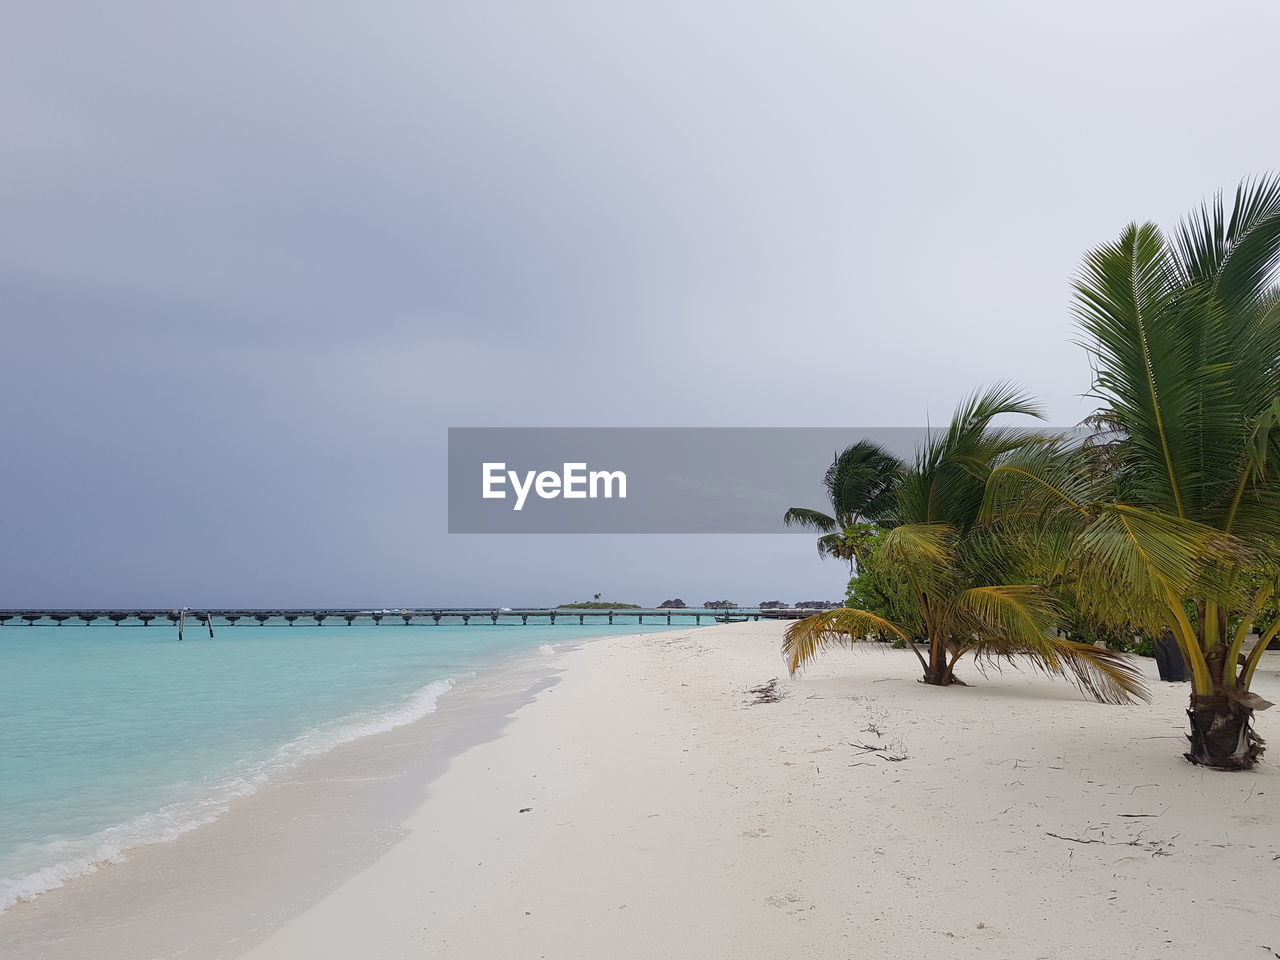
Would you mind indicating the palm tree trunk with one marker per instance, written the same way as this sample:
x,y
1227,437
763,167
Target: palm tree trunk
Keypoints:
x,y
1222,735
937,674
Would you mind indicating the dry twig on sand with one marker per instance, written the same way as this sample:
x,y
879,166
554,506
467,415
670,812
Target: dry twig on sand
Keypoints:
x,y
767,693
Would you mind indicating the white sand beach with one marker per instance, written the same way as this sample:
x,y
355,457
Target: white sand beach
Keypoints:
x,y
669,816
644,806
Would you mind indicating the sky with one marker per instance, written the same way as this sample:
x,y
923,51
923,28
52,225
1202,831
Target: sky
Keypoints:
x,y
257,258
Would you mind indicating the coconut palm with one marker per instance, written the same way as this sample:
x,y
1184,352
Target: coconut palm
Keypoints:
x,y
859,484
1181,531
971,590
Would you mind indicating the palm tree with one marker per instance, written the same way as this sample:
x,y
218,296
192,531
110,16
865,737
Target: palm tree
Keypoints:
x,y
1181,531
971,591
859,483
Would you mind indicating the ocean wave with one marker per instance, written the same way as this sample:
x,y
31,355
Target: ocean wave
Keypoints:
x,y
68,859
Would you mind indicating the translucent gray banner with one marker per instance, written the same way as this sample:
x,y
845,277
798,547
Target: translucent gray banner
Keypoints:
x,y
645,479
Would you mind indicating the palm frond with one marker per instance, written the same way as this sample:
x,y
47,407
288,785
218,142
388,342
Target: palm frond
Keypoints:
x,y
1148,358
1039,480
916,544
860,482
1105,675
947,481
810,519
829,545
1008,615
1232,257
841,627
1149,552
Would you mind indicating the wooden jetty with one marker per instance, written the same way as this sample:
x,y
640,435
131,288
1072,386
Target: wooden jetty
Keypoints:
x,y
417,616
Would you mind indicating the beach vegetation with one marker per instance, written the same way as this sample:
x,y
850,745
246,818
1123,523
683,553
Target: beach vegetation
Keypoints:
x,y
860,492
599,605
962,587
881,588
1169,511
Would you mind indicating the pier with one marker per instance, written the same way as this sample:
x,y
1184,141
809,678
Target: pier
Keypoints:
x,y
420,616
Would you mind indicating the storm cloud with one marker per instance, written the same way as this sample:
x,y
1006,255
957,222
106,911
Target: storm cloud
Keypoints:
x,y
256,258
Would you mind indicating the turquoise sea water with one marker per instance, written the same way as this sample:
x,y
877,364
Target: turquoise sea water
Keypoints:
x,y
114,736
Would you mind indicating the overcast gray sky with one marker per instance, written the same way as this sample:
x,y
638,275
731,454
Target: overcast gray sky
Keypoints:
x,y
255,258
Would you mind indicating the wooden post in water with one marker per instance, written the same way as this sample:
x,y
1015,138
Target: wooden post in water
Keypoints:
x,y
208,619
182,619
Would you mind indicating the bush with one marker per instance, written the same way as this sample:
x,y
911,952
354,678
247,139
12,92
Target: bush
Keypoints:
x,y
598,605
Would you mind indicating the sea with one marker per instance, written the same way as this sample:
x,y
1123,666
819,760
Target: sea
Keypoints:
x,y
112,736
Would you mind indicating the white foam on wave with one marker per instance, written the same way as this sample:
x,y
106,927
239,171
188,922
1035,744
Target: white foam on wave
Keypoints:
x,y
69,859
548,648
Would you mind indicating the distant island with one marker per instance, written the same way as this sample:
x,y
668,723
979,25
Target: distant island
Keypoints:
x,y
599,605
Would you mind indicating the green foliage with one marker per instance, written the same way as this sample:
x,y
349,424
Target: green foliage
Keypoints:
x,y
938,574
860,487
599,605
1168,517
882,589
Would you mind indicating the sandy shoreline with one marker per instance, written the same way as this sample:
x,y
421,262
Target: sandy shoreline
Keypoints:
x,y
669,816
217,890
